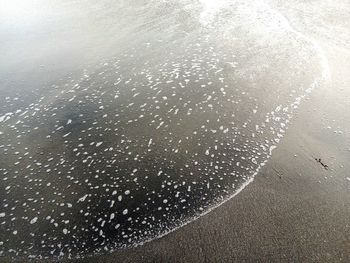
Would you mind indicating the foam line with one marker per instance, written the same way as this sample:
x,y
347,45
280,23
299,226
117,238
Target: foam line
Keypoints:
x,y
325,76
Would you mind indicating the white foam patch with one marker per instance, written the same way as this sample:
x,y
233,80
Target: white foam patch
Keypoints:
x,y
157,136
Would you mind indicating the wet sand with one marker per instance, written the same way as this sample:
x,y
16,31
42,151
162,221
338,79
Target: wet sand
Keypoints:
x,y
295,210
298,207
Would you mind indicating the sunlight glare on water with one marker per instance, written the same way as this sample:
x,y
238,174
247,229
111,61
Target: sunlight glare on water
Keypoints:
x,y
21,12
181,109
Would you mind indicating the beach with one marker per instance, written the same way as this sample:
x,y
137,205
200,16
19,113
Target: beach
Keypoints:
x,y
150,143
295,210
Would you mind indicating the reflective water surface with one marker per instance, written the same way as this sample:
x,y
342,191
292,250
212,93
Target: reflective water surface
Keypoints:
x,y
120,122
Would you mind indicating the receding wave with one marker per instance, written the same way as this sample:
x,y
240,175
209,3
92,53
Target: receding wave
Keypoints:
x,y
169,126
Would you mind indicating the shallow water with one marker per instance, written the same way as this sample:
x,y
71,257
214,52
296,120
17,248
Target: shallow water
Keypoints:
x,y
120,122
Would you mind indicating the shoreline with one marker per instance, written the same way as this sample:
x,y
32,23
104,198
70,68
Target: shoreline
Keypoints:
x,y
295,210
